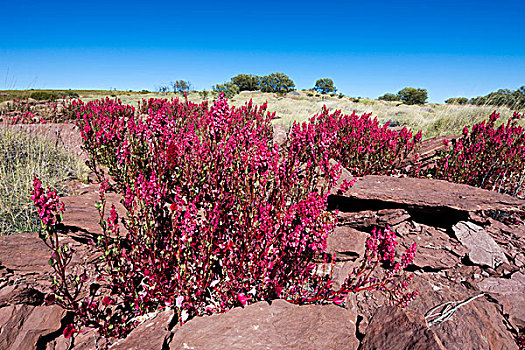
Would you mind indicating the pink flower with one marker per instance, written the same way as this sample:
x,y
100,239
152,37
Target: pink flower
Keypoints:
x,y
69,331
242,299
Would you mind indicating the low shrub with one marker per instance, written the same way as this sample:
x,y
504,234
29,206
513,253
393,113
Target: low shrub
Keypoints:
x,y
228,89
218,215
388,97
457,100
44,95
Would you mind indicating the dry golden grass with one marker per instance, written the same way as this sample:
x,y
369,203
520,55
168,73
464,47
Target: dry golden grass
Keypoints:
x,y
432,119
21,156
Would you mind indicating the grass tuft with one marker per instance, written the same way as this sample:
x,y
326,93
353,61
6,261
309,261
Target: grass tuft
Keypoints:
x,y
21,156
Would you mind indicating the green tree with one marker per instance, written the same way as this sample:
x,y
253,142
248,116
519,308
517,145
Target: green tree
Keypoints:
x,y
181,86
388,97
412,96
277,82
325,85
247,82
457,100
230,89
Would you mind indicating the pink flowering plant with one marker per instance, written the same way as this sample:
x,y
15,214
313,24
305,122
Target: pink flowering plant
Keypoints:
x,y
364,146
24,111
217,214
66,287
486,156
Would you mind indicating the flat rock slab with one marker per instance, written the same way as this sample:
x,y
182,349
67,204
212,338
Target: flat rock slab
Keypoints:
x,y
476,325
347,243
81,213
152,334
26,327
280,325
510,292
483,249
396,329
435,248
431,194
24,252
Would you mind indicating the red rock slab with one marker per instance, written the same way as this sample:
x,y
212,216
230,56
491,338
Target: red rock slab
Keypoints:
x,y
430,193
396,329
81,212
483,250
476,325
346,242
510,292
152,334
280,325
26,326
24,252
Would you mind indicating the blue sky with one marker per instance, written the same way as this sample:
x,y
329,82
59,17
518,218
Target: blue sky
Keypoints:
x,y
451,48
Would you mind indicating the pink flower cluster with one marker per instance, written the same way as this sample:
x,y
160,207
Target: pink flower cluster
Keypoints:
x,y
218,215
48,204
487,156
364,146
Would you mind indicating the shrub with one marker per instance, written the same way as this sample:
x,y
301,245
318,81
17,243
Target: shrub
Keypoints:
x,y
44,95
203,94
277,82
486,156
514,99
217,215
324,86
412,96
457,100
364,146
247,82
228,89
388,97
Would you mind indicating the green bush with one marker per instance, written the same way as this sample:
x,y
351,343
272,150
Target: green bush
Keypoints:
x,y
229,89
44,95
457,100
412,96
203,94
514,99
325,85
388,97
277,82
247,82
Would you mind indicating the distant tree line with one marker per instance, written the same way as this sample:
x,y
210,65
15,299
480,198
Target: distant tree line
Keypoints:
x,y
276,82
514,99
409,95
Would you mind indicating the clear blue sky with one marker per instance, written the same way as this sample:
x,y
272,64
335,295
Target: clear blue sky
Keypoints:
x,y
451,48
